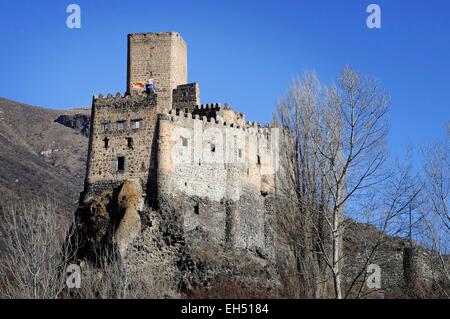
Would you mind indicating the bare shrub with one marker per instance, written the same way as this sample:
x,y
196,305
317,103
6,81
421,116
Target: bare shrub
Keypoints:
x,y
111,278
33,255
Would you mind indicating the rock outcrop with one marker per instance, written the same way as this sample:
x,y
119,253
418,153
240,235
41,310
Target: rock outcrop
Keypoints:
x,y
129,226
78,122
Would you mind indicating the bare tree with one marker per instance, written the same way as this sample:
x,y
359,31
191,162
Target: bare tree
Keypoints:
x,y
34,257
437,170
336,158
300,183
435,211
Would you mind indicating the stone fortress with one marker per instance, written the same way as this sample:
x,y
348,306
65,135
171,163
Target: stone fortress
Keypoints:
x,y
203,168
190,191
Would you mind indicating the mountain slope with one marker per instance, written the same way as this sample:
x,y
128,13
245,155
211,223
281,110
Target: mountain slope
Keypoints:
x,y
40,157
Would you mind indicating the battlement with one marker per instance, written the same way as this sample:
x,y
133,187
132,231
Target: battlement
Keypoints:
x,y
209,107
124,101
188,119
155,35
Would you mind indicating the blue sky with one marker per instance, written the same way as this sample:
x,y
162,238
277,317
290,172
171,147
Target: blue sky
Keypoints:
x,y
241,52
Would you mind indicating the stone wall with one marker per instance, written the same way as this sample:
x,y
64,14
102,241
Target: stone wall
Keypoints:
x,y
122,126
218,176
186,97
217,158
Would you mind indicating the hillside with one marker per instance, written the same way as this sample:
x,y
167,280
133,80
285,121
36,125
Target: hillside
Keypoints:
x,y
40,157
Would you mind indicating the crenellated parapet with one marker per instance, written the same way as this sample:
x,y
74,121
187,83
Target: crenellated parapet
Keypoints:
x,y
209,107
124,101
188,120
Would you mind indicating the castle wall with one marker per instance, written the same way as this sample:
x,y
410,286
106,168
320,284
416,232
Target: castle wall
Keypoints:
x,y
211,170
159,56
136,143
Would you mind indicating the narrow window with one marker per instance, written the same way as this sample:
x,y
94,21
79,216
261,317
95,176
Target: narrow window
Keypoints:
x,y
120,163
213,148
106,141
259,160
184,141
240,153
130,142
120,125
196,209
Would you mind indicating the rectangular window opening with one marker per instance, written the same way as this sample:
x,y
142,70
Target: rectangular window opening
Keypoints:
x,y
120,163
130,142
184,141
213,148
120,125
136,124
259,160
105,127
196,209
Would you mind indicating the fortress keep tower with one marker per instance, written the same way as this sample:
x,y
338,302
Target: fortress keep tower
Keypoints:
x,y
160,56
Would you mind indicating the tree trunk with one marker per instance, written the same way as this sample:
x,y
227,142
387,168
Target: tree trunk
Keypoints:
x,y
336,257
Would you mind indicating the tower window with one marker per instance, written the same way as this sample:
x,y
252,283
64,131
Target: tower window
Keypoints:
x,y
120,125
105,126
240,153
213,148
196,209
258,160
120,164
130,142
184,141
136,124
106,141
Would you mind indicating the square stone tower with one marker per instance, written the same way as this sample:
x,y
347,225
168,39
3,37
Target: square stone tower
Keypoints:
x,y
161,56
